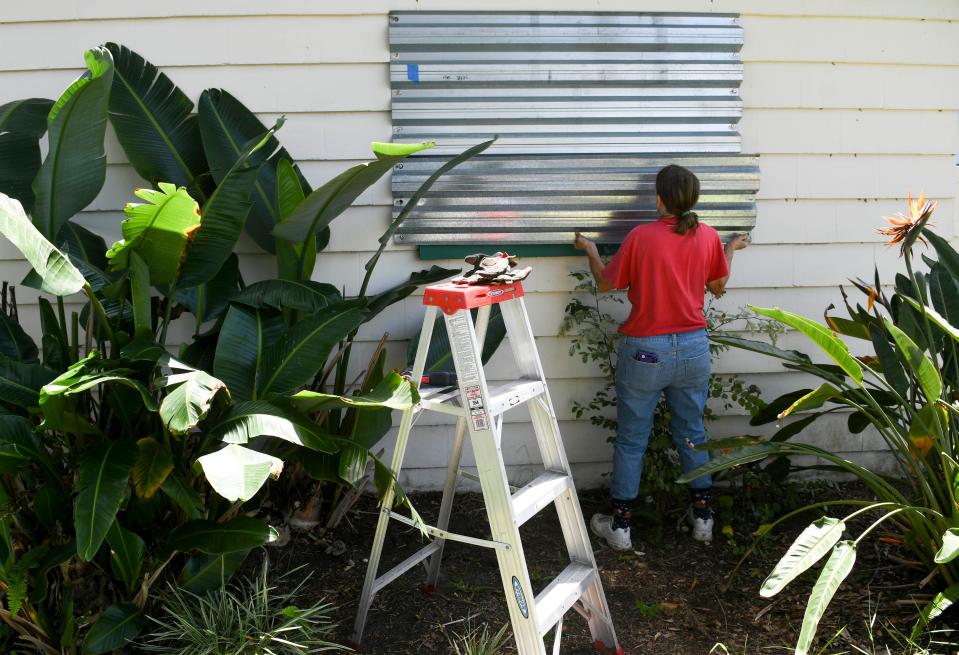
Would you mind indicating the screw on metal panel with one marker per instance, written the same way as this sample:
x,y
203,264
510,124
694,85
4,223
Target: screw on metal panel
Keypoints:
x,y
399,166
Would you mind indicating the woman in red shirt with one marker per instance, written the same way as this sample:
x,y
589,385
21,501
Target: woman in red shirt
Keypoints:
x,y
666,266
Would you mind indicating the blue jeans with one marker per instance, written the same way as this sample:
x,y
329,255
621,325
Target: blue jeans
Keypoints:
x,y
682,374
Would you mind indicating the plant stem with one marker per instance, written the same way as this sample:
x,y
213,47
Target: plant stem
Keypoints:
x,y
167,310
102,315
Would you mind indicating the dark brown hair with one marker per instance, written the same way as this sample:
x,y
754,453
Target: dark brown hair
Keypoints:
x,y
678,188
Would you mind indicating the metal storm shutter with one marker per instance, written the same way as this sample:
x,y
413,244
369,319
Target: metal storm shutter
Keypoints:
x,y
588,106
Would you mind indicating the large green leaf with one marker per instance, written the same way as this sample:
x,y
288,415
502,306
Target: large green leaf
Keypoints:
x,y
73,172
305,296
812,400
227,126
245,335
737,458
918,362
948,256
22,123
237,473
209,301
394,391
183,495
79,243
838,566
240,533
940,321
950,546
810,546
821,336
117,626
939,604
320,207
761,347
223,217
248,420
20,382
203,573
15,343
57,275
126,555
294,261
18,444
382,300
104,470
891,366
159,230
154,123
140,297
302,350
154,464
189,399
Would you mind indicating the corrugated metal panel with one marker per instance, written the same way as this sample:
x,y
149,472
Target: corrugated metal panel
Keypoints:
x,y
588,107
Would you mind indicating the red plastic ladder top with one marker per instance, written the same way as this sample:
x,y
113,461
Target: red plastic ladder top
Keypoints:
x,y
453,297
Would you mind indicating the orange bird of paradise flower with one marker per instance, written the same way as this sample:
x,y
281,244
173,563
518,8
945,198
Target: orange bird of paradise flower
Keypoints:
x,y
906,228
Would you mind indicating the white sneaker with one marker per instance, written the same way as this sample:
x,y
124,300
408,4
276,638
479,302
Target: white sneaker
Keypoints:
x,y
618,539
702,529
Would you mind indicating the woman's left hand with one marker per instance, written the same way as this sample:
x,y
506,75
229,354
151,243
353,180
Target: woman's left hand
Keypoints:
x,y
582,243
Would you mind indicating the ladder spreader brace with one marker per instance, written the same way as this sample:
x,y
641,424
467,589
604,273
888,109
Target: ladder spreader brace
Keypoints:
x,y
479,409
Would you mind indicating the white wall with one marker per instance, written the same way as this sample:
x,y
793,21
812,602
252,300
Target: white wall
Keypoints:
x,y
851,105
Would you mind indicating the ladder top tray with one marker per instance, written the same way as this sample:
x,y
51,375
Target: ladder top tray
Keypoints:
x,y
453,297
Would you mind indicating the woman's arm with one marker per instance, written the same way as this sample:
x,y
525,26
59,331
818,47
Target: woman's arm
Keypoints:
x,y
595,263
718,287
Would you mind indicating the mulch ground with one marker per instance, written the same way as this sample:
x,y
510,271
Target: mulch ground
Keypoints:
x,y
669,596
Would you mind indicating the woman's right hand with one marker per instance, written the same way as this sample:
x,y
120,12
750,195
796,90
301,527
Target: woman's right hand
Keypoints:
x,y
739,242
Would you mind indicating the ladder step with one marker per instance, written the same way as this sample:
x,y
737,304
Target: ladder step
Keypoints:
x,y
502,396
561,594
405,566
543,490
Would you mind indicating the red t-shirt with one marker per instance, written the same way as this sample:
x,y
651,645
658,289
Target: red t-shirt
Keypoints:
x,y
666,274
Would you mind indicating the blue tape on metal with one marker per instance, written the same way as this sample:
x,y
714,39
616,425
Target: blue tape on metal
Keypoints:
x,y
413,72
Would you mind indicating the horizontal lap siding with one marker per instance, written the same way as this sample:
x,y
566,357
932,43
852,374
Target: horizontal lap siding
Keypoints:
x,y
847,113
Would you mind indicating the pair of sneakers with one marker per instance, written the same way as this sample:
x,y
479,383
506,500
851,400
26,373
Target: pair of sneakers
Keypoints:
x,y
618,538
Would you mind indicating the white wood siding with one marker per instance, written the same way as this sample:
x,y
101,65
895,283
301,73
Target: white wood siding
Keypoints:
x,y
851,105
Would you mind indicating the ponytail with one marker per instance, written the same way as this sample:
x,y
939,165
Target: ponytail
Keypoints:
x,y
687,221
678,188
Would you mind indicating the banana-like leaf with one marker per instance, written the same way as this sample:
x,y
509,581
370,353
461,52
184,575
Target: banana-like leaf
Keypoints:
x,y
159,230
921,365
245,335
394,391
737,458
939,604
15,343
847,327
305,296
117,626
838,566
237,473
203,573
22,123
812,400
940,321
294,261
209,301
18,443
891,366
303,349
73,172
126,555
189,400
320,207
20,381
241,533
793,428
810,546
948,256
762,348
774,408
248,420
381,301
154,464
104,470
140,300
821,336
223,217
57,275
950,547
183,495
154,123
226,126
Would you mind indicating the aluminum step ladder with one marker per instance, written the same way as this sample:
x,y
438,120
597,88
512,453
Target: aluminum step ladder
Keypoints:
x,y
479,409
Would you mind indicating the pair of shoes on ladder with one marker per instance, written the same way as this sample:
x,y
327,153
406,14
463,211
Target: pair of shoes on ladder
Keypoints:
x,y
479,410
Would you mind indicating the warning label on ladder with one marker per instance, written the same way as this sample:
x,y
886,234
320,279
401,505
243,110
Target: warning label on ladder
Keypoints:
x,y
468,369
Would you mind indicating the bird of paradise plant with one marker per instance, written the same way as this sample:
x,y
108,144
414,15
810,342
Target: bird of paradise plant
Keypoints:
x,y
908,392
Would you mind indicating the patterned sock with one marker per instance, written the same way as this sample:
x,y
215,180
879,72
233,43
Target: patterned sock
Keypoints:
x,y
622,514
700,499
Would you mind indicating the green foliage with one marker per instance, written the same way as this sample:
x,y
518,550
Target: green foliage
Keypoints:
x,y
132,437
251,617
591,323
479,641
906,393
